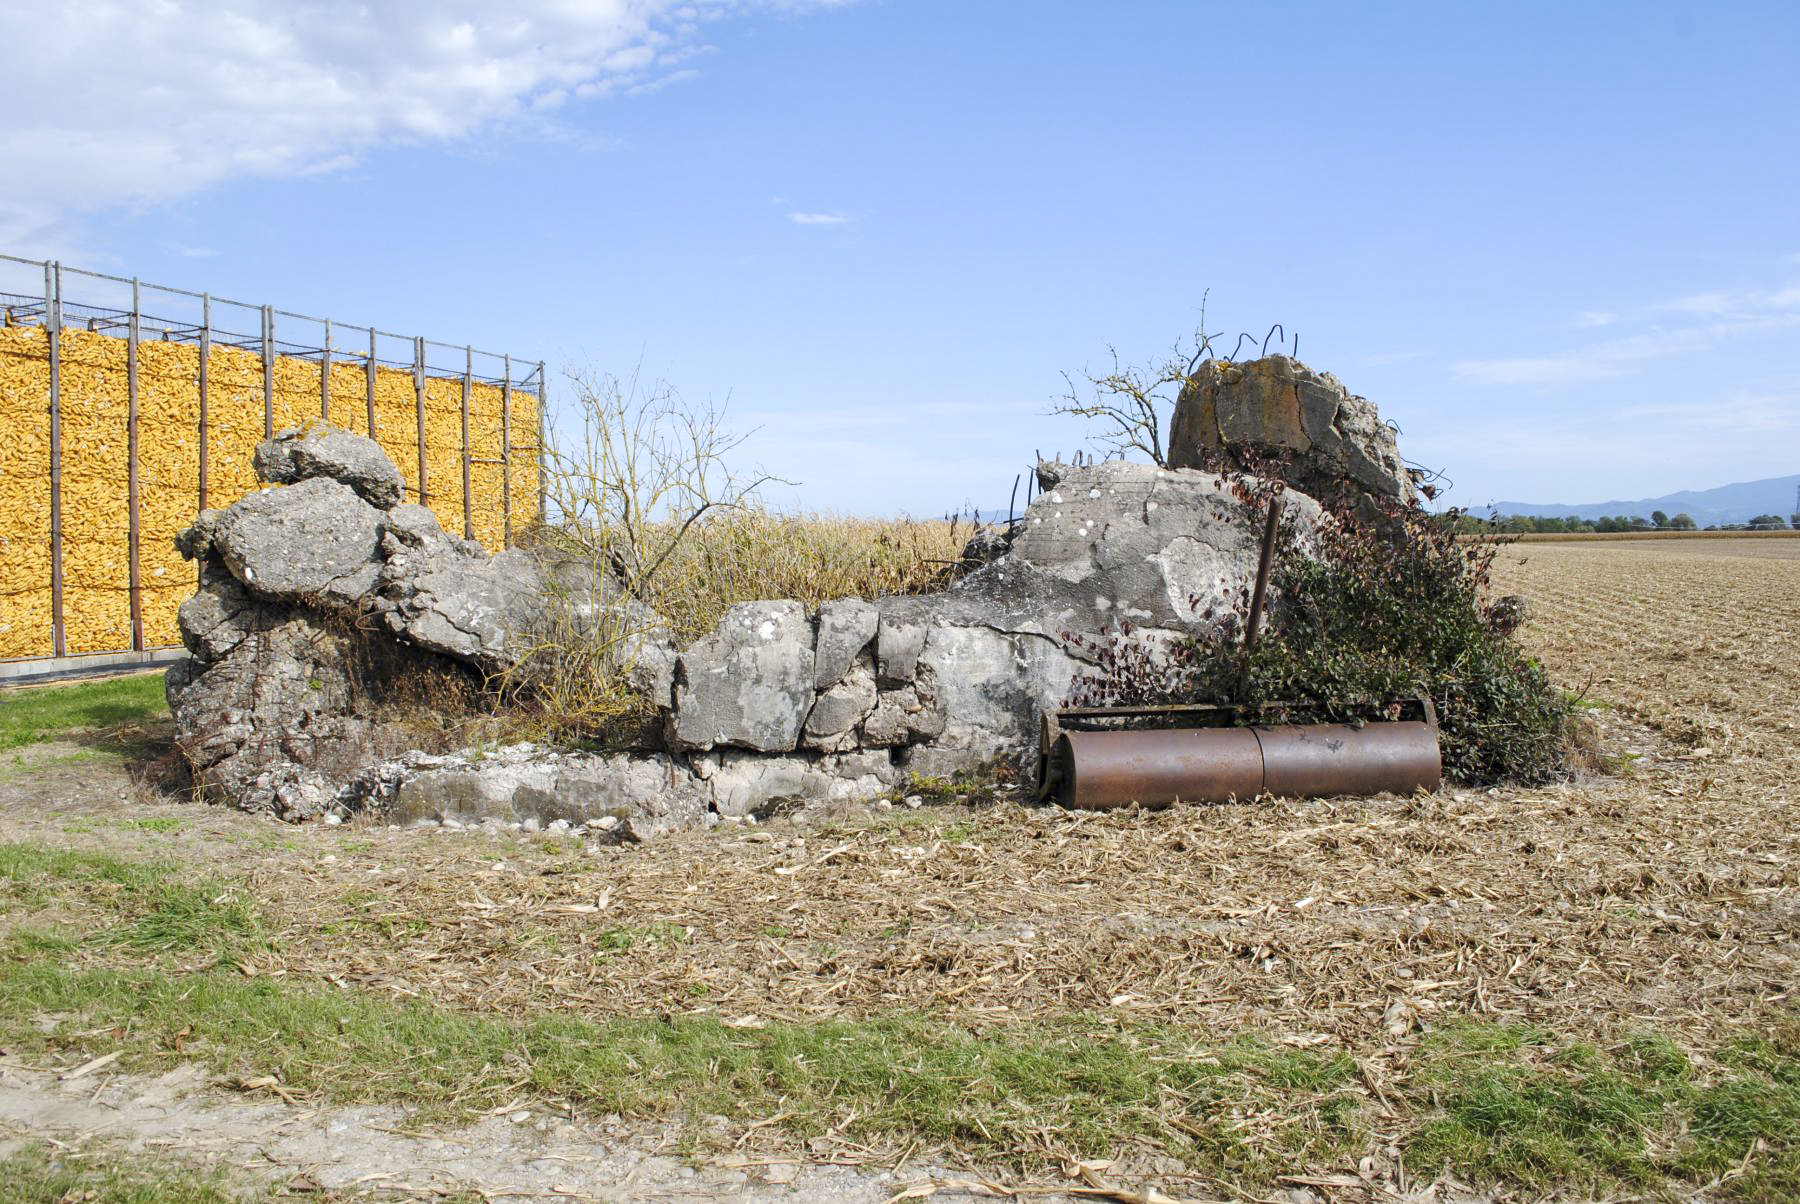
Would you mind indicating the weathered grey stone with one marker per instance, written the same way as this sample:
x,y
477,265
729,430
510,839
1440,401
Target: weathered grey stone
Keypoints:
x,y
270,713
1050,473
861,775
196,540
945,761
839,710
319,450
750,682
987,545
903,716
897,643
766,712
1112,544
624,797
290,792
411,535
746,783
217,618
646,654
316,539
1124,542
283,695
1327,436
478,609
271,690
846,626
991,687
647,795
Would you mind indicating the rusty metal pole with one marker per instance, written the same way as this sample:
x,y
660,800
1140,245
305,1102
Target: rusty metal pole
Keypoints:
x,y
506,454
59,632
1097,770
133,487
205,372
419,391
543,461
372,371
1262,572
467,467
268,357
325,375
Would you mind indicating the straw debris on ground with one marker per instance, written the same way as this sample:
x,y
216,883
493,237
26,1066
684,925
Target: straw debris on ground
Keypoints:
x,y
1535,945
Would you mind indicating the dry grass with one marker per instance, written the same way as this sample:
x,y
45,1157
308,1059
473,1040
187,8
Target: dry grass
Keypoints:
x,y
1312,923
1664,897
571,688
749,555
1697,638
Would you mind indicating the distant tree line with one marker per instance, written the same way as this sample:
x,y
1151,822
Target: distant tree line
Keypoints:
x,y
1533,524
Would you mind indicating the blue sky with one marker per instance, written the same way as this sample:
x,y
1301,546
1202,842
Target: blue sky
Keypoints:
x,y
1558,244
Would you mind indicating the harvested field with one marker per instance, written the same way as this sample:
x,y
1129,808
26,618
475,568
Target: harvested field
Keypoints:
x,y
1733,539
1300,918
1659,900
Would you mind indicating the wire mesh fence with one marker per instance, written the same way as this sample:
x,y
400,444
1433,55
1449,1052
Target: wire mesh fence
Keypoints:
x,y
130,407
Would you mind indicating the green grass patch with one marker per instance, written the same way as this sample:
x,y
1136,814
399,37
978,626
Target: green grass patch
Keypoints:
x,y
185,918
40,1173
28,942
961,787
28,872
155,825
20,766
624,937
1760,1104
36,714
961,832
1490,1103
1010,1094
156,912
1514,1104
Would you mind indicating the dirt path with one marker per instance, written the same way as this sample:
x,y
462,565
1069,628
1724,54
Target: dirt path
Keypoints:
x,y
517,1155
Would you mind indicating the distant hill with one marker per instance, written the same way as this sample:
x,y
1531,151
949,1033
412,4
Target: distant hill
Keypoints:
x,y
1727,504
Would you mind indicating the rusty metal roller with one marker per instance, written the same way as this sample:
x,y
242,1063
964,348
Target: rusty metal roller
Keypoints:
x,y
1104,769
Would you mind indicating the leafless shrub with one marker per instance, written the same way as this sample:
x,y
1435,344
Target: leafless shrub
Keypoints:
x,y
1129,403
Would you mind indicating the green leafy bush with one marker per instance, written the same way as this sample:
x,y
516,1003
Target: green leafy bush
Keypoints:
x,y
1386,608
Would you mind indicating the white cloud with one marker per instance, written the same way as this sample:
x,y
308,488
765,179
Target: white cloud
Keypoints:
x,y
1595,317
1597,361
1700,322
1741,304
817,219
1650,449
1738,413
975,416
1710,304
145,101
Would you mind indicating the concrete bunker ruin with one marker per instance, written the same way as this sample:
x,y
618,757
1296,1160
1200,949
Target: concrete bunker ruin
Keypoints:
x,y
324,595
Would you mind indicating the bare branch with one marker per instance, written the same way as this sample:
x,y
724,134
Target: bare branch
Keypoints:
x,y
1129,405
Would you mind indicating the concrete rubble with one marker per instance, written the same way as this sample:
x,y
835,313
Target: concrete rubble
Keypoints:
x,y
327,599
1329,442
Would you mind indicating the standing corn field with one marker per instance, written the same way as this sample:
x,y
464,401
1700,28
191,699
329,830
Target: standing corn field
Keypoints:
x,y
121,427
